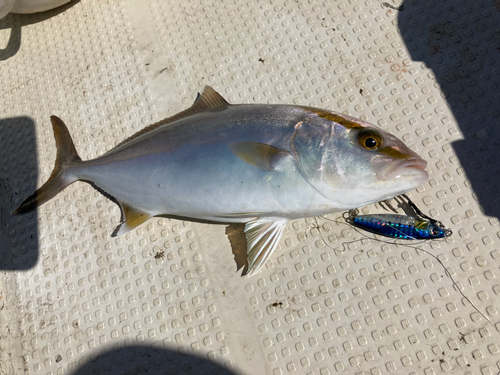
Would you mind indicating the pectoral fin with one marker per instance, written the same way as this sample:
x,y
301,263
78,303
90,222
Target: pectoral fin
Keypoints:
x,y
263,236
131,218
259,155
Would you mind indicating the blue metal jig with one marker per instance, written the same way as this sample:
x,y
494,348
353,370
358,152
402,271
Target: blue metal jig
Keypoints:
x,y
400,226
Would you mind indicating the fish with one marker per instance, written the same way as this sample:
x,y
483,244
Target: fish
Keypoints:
x,y
399,226
256,164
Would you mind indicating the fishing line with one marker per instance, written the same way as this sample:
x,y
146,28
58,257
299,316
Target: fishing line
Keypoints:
x,y
321,234
447,272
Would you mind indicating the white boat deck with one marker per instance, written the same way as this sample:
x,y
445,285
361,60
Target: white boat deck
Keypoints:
x,y
167,297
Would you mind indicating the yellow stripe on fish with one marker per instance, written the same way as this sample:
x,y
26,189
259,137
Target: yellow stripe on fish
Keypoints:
x,y
339,119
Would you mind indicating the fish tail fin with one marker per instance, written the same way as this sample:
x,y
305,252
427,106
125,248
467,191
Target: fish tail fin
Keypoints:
x,y
66,158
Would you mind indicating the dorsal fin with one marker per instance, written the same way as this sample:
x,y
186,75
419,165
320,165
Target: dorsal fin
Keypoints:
x,y
209,99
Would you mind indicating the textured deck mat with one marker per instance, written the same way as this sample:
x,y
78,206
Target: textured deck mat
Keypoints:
x,y
167,297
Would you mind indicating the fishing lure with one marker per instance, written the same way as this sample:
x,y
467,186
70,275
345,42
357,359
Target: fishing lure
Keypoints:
x,y
400,226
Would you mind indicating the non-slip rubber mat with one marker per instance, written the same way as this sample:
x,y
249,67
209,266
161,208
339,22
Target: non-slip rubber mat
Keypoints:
x,y
167,298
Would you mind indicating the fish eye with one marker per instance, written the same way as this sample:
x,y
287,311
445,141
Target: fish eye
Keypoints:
x,y
370,140
433,231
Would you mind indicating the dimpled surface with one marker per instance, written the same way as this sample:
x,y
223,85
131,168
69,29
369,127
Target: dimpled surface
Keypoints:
x,y
165,298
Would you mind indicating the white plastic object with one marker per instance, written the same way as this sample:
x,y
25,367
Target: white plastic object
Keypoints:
x,y
28,6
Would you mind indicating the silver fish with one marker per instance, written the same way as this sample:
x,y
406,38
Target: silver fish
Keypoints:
x,y
250,163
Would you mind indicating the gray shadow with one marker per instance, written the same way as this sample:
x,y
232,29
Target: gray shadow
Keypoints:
x,y
460,42
139,359
15,22
235,232
18,177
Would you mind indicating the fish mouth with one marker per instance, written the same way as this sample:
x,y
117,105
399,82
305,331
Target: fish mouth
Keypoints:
x,y
415,163
413,167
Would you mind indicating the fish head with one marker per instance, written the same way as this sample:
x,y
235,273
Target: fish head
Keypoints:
x,y
436,232
431,230
352,162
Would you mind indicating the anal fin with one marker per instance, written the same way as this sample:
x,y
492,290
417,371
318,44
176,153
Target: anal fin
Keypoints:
x,y
131,218
263,236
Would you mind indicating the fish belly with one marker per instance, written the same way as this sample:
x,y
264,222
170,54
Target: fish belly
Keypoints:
x,y
209,183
